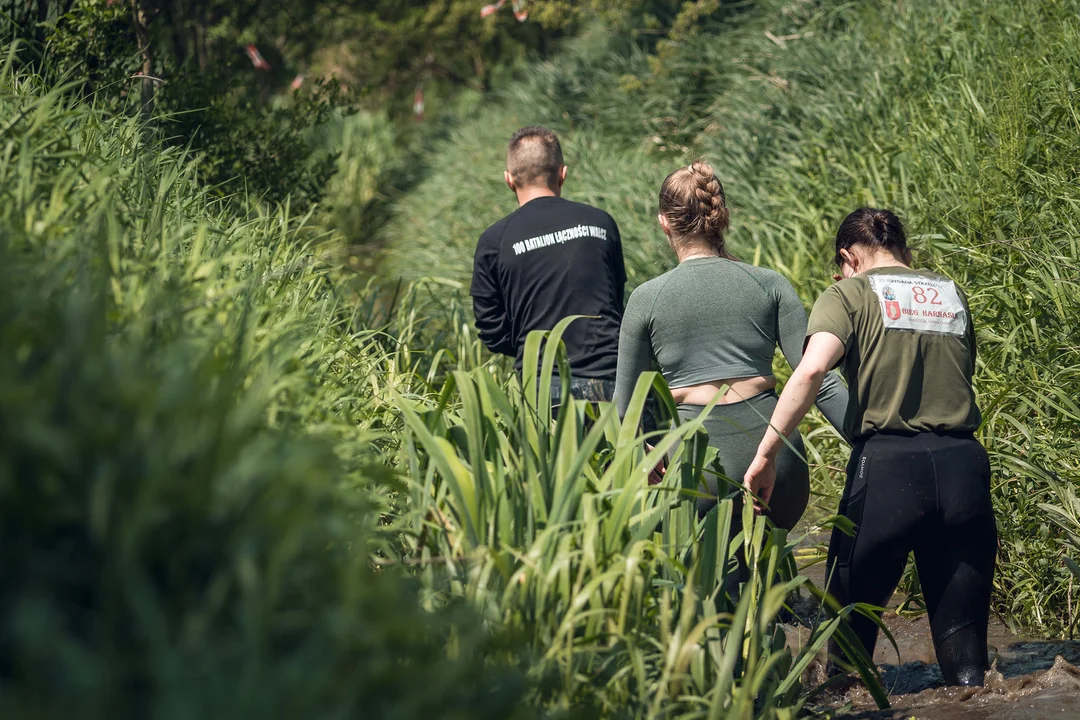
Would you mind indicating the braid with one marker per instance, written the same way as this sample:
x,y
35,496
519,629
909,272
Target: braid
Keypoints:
x,y
693,200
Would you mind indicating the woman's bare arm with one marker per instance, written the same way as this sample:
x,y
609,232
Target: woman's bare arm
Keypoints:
x,y
823,351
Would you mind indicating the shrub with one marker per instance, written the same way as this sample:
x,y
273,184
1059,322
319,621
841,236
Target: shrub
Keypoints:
x,y
190,434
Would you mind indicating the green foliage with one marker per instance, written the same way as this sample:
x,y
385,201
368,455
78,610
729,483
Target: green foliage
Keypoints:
x,y
212,102
244,147
199,506
390,46
960,116
369,165
1064,512
545,521
92,43
191,423
234,481
247,124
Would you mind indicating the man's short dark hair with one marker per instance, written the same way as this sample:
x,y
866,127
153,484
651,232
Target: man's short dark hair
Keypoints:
x,y
534,157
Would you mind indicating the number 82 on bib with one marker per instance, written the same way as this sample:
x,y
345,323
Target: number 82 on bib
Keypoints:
x,y
916,303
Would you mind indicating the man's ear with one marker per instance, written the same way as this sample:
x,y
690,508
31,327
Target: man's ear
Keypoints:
x,y
509,180
562,175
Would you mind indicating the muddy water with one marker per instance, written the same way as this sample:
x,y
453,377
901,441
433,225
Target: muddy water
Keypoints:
x,y
1030,679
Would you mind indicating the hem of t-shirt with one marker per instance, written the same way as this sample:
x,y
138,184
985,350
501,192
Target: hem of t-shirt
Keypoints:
x,y
712,373
583,376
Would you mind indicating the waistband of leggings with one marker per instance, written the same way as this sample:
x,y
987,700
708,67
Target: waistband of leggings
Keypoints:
x,y
719,407
894,437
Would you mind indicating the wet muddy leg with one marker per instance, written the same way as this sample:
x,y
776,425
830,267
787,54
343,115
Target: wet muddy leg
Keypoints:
x,y
956,576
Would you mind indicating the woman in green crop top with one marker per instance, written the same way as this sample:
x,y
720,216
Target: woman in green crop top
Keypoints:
x,y
715,321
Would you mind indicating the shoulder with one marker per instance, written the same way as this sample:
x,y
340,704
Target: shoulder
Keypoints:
x,y
767,278
491,238
931,274
495,231
775,286
649,289
644,295
594,213
844,295
941,277
849,287
763,274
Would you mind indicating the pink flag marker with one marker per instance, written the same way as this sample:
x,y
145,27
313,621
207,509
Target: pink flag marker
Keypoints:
x,y
256,58
491,9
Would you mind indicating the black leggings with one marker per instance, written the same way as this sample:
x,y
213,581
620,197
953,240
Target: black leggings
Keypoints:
x,y
929,494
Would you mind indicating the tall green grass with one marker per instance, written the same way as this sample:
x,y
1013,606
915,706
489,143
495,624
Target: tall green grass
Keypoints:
x,y
961,116
193,422
233,484
546,522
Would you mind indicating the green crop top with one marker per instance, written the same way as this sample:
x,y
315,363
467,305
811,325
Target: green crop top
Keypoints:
x,y
716,319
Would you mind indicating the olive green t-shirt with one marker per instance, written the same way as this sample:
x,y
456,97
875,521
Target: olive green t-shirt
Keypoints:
x,y
909,351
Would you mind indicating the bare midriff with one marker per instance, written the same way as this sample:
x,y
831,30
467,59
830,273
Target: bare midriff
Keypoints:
x,y
737,390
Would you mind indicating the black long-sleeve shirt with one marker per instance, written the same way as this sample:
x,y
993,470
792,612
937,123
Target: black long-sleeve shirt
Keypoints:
x,y
549,259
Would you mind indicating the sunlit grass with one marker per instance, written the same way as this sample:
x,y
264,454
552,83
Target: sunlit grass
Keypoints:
x,y
235,483
961,116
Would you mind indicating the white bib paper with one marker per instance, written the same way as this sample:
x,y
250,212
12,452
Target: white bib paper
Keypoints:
x,y
916,303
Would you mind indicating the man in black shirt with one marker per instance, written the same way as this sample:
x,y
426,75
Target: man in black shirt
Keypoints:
x,y
548,259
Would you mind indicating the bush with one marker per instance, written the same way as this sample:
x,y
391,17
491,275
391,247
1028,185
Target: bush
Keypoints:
x,y
633,607
190,435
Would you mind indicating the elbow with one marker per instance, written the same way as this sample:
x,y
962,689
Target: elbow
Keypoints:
x,y
810,375
494,336
500,346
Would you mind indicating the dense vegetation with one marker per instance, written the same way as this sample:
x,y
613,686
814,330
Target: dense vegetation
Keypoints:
x,y
962,116
229,486
242,82
236,478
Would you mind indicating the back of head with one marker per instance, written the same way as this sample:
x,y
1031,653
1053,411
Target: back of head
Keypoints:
x,y
874,229
534,158
693,201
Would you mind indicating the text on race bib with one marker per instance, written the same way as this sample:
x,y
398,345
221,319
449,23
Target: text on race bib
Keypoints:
x,y
920,304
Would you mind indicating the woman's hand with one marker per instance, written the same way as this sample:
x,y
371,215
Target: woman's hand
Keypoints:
x,y
656,475
759,480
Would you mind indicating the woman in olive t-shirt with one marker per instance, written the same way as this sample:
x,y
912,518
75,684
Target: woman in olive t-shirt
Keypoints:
x,y
918,480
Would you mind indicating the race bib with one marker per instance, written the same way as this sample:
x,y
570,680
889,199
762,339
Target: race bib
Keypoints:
x,y
914,303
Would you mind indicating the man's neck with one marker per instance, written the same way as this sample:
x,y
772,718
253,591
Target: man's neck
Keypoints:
x,y
528,194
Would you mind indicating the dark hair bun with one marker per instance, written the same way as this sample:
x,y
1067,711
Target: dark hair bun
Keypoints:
x,y
872,228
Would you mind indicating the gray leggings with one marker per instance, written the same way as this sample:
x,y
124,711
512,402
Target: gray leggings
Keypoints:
x,y
735,431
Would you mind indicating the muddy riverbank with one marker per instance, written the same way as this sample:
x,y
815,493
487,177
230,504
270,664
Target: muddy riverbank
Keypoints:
x,y
1031,679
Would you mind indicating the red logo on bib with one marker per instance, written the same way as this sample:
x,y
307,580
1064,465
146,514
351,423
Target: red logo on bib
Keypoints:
x,y
892,309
